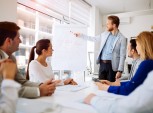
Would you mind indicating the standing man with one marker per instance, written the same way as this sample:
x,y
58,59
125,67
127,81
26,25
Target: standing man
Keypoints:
x,y
112,52
9,43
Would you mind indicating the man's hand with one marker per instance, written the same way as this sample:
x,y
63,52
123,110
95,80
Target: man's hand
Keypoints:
x,y
47,88
118,75
8,69
87,100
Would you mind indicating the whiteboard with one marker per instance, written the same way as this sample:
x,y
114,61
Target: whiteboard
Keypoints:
x,y
70,52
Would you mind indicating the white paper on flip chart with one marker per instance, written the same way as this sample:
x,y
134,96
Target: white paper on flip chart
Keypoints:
x,y
70,52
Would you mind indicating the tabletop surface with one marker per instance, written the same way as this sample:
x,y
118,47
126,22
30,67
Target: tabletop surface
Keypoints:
x,y
62,101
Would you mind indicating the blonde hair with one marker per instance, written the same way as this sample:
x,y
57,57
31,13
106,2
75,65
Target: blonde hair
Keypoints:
x,y
145,39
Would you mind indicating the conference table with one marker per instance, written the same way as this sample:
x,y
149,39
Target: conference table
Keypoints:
x,y
66,99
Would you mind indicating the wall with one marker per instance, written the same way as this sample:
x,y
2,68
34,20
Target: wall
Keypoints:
x,y
98,31
8,10
95,29
136,25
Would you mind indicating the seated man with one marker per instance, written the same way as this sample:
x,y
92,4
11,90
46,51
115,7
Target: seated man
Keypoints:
x,y
9,43
9,87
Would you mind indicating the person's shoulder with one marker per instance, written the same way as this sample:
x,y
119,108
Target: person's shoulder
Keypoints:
x,y
149,60
48,63
121,35
34,62
138,61
105,32
147,63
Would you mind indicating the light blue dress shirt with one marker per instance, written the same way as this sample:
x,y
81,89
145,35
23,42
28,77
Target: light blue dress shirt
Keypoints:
x,y
108,48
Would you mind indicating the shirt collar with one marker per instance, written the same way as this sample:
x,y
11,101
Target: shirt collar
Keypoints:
x,y
5,55
116,33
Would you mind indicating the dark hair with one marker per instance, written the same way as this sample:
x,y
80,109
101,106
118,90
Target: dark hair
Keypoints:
x,y
8,29
40,45
133,44
115,20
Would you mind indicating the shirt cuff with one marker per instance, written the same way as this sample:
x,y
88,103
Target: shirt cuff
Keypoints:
x,y
38,92
10,83
94,100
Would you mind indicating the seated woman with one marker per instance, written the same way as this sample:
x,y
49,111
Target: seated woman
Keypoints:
x,y
145,49
39,70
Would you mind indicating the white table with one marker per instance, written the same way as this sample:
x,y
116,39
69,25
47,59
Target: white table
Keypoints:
x,y
59,102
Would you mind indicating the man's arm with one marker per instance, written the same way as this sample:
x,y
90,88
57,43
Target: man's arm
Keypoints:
x,y
122,54
35,90
102,103
90,38
28,89
9,88
122,58
9,96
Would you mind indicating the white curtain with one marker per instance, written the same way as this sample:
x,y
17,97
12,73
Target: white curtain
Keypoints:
x,y
75,11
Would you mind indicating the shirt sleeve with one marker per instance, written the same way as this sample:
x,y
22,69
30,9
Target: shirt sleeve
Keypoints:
x,y
123,83
9,96
140,99
90,38
122,54
103,104
139,77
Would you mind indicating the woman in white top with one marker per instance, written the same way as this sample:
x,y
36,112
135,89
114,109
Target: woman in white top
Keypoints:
x,y
39,70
